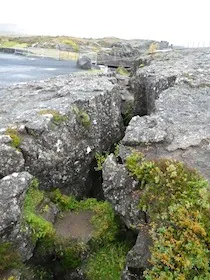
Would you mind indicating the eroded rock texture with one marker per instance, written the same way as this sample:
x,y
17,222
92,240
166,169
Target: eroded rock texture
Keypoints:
x,y
61,122
12,193
172,104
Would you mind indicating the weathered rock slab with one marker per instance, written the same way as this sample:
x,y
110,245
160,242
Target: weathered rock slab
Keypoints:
x,y
172,99
62,122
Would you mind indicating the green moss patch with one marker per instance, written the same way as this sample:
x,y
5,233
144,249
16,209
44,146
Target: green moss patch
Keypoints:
x,y
178,202
39,226
15,136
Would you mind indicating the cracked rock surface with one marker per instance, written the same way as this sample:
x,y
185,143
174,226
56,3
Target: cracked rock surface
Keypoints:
x,y
61,123
172,105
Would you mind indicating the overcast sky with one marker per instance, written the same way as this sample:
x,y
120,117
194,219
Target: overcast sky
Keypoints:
x,y
179,21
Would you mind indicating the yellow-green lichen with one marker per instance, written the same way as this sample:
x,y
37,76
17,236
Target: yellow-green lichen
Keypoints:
x,y
57,117
15,136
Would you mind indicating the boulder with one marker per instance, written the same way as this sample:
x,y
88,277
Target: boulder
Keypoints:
x,y
84,62
12,193
61,123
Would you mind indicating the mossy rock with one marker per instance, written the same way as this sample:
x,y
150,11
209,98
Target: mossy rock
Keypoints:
x,y
15,136
82,117
57,117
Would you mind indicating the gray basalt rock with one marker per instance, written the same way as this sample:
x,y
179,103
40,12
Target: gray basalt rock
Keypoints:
x,y
138,257
122,192
62,122
12,193
172,105
84,62
172,99
11,160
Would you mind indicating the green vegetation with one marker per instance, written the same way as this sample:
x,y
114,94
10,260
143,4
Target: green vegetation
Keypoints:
x,y
82,117
57,117
122,71
71,43
107,263
178,202
9,258
15,136
100,159
107,254
5,43
70,254
39,226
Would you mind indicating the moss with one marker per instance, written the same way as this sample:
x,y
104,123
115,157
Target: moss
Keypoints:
x,y
15,136
177,200
107,263
82,117
39,226
57,117
9,257
122,71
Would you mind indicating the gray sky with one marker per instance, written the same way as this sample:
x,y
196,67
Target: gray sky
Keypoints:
x,y
179,21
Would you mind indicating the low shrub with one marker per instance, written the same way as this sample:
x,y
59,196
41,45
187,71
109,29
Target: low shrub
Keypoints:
x,y
178,201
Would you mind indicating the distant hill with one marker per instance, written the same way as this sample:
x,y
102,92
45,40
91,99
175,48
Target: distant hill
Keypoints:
x,y
8,29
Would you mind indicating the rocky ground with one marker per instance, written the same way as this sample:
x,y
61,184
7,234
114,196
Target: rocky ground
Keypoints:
x,y
53,129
